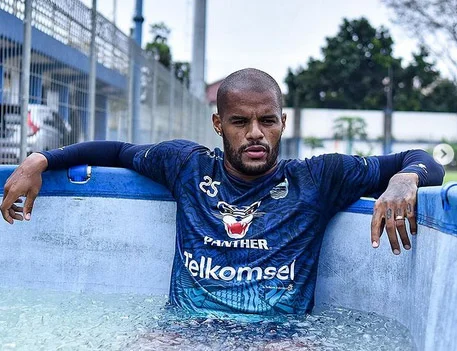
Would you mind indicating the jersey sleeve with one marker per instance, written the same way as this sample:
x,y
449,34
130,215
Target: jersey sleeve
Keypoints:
x,y
162,162
95,153
342,179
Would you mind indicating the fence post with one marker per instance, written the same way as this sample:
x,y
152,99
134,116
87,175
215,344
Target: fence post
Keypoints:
x,y
183,117
25,81
131,82
193,124
155,67
171,109
93,70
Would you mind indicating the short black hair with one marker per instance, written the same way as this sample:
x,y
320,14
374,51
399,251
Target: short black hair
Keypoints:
x,y
248,79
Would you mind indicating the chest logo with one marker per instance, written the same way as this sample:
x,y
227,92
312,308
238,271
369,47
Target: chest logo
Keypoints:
x,y
237,220
281,190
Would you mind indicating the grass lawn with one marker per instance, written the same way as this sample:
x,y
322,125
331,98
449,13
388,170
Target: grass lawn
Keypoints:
x,y
450,176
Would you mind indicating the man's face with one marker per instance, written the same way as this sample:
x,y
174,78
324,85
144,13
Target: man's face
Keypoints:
x,y
251,125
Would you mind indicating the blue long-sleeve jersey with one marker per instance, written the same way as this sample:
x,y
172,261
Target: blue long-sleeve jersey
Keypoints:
x,y
250,247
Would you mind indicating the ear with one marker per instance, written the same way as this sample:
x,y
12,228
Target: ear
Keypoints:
x,y
217,123
283,120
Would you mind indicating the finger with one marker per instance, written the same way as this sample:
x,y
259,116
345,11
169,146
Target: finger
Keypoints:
x,y
8,201
14,215
16,208
392,231
401,228
376,233
411,215
28,205
5,212
6,216
377,226
400,223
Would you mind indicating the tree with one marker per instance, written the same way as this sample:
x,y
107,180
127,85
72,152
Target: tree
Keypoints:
x,y
159,46
313,142
355,64
443,98
433,23
349,129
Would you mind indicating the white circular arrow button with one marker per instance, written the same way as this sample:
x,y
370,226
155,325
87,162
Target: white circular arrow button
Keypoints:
x,y
443,154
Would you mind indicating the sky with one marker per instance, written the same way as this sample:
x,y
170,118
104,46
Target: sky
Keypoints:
x,y
271,35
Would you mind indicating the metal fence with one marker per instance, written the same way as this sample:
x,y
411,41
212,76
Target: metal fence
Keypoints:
x,y
59,105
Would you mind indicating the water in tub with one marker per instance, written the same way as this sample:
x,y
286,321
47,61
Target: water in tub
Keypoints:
x,y
40,320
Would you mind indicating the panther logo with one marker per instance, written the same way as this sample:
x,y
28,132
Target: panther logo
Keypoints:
x,y
237,220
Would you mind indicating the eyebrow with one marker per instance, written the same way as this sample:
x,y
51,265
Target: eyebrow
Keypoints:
x,y
269,116
244,117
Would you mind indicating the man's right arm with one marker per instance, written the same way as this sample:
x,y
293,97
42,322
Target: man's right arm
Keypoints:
x,y
26,179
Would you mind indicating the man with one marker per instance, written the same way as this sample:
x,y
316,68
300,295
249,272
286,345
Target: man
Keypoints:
x,y
249,227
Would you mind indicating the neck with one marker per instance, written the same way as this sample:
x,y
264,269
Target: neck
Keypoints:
x,y
243,176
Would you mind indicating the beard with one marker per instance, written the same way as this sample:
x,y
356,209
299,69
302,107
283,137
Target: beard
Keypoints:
x,y
234,157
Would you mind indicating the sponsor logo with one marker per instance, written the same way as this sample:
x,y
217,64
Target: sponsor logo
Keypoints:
x,y
237,220
260,244
204,269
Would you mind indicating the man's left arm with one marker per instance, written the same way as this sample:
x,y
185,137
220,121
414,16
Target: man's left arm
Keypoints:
x,y
400,175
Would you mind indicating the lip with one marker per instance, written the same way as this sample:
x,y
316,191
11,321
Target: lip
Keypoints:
x,y
256,151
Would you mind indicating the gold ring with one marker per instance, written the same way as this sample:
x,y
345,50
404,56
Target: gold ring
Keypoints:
x,y
399,218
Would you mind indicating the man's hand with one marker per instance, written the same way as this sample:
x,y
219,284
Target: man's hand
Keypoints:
x,y
25,181
391,210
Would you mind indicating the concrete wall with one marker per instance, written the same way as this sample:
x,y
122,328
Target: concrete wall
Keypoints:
x,y
89,238
418,288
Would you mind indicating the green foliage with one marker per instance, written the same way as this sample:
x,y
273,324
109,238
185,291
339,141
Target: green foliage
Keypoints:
x,y
355,66
349,129
443,97
450,176
313,142
363,153
160,32
159,47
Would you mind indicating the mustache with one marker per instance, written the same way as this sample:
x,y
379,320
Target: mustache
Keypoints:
x,y
254,143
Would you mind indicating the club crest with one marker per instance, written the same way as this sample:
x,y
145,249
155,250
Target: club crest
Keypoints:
x,y
281,190
237,220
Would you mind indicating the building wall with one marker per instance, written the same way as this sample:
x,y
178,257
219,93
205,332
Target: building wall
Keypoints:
x,y
409,130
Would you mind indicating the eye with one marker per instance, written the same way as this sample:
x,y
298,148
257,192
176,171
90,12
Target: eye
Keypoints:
x,y
239,122
269,121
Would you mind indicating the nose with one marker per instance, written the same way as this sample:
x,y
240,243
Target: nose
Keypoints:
x,y
255,131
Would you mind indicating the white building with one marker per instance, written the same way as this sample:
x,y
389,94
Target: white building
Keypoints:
x,y
421,130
